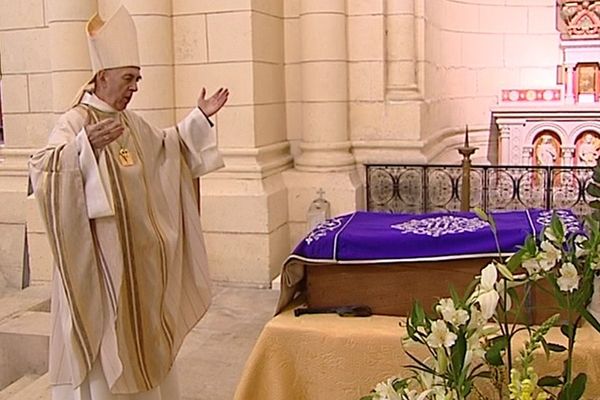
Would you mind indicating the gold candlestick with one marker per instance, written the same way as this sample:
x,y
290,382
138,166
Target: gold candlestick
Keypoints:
x,y
466,151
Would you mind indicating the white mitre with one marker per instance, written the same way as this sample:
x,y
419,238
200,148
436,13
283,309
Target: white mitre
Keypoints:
x,y
113,43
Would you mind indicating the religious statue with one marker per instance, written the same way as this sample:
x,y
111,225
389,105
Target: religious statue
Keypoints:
x,y
545,153
588,151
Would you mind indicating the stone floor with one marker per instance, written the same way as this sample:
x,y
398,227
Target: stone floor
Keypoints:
x,y
210,362
213,355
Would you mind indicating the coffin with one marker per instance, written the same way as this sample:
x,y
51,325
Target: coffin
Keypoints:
x,y
393,289
387,261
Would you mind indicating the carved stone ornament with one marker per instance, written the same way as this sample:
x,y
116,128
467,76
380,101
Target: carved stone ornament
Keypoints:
x,y
578,19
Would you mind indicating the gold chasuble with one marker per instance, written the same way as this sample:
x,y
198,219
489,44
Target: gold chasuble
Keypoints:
x,y
131,276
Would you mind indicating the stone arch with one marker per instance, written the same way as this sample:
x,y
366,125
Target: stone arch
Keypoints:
x,y
586,142
583,128
535,132
547,141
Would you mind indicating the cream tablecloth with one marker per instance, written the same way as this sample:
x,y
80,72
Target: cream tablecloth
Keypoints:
x,y
327,357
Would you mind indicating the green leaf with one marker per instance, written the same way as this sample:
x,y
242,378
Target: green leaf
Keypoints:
x,y
420,365
459,350
369,397
590,318
494,354
482,214
504,271
515,260
530,245
596,174
578,387
455,297
417,314
566,330
550,381
557,227
593,189
545,347
556,348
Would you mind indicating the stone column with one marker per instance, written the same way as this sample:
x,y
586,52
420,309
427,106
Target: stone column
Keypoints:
x,y
69,57
325,162
324,54
568,154
504,144
402,26
527,155
569,96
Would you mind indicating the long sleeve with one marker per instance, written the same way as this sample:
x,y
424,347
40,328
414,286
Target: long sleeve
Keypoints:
x,y
69,132
200,140
98,196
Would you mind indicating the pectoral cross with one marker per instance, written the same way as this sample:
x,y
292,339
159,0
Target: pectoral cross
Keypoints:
x,y
125,158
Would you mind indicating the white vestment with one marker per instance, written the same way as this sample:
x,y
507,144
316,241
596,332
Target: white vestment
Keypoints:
x,y
131,276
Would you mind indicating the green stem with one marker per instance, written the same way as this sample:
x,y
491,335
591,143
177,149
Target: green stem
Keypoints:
x,y
507,329
571,344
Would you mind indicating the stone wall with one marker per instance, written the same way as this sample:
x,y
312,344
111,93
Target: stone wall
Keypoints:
x,y
318,87
473,50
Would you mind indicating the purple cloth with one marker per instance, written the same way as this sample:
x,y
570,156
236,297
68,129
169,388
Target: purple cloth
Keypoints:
x,y
382,237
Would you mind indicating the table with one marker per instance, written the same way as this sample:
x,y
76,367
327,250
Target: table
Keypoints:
x,y
327,357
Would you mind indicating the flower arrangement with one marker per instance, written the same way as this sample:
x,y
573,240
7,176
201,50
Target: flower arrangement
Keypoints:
x,y
469,339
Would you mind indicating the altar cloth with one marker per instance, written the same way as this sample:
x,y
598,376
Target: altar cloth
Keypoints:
x,y
369,238
325,357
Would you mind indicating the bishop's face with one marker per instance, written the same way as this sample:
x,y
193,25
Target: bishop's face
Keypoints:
x,y
116,86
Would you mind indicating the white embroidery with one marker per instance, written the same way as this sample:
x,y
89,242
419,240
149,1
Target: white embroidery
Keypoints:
x,y
440,226
323,229
569,220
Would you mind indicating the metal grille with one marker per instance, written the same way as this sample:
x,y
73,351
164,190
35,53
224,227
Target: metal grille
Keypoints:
x,y
427,188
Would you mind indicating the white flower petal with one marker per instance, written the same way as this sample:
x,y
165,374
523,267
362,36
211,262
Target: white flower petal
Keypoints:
x,y
569,278
489,275
488,302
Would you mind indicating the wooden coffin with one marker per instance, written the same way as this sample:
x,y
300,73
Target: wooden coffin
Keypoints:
x,y
391,289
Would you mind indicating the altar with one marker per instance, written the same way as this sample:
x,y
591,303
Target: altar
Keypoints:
x,y
325,357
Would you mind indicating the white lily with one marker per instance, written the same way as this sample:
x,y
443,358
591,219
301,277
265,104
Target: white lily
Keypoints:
x,y
385,391
580,251
440,335
500,288
550,235
549,256
569,278
487,297
447,309
414,395
532,266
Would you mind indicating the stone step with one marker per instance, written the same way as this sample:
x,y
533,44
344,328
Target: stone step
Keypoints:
x,y
37,390
33,298
24,341
17,386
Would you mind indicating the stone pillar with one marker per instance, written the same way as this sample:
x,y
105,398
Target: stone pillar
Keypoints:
x,y
325,162
324,54
569,96
527,155
69,57
568,154
402,26
504,144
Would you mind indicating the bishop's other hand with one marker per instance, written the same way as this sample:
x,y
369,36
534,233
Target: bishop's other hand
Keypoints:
x,y
209,106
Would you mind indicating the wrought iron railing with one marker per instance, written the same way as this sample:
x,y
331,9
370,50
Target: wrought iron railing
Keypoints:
x,y
426,188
